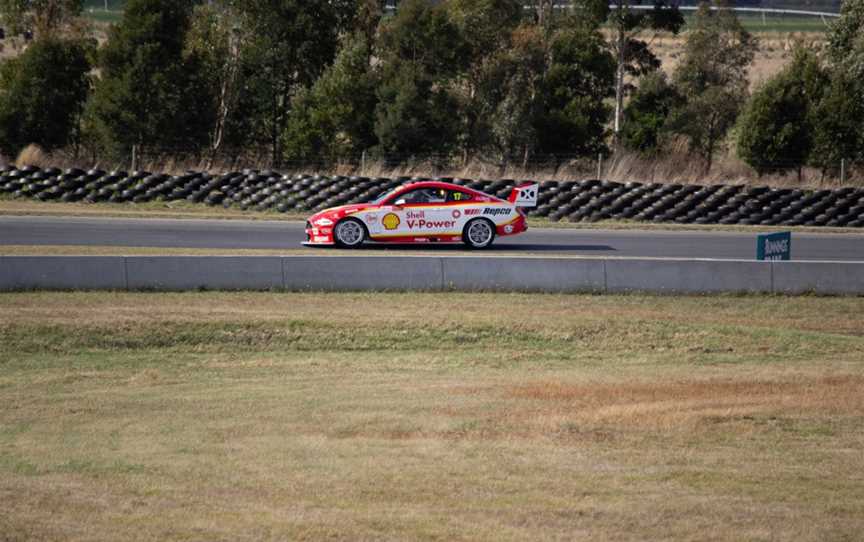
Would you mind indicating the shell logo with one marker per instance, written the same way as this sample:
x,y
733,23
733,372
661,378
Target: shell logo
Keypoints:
x,y
391,221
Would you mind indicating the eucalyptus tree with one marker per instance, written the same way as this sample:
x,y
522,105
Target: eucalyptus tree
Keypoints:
x,y
290,43
712,78
487,27
632,53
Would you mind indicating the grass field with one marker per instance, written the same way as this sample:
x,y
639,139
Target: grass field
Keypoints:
x,y
96,10
777,23
102,16
229,416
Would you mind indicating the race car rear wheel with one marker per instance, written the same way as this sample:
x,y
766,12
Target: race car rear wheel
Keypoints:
x,y
349,233
478,233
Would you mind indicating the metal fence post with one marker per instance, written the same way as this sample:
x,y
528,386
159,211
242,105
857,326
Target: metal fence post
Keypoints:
x,y
842,170
600,166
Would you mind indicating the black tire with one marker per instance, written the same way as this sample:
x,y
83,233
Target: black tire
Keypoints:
x,y
478,233
349,233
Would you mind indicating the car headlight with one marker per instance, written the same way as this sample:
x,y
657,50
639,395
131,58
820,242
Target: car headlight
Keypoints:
x,y
323,222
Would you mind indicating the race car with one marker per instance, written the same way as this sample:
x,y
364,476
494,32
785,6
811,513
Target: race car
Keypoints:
x,y
424,212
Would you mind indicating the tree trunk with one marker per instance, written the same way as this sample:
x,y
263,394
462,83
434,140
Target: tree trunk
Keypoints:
x,y
619,80
226,94
544,13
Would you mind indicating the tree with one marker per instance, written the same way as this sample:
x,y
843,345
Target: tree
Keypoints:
x,y
424,36
262,57
846,34
422,53
487,28
646,114
215,37
634,57
580,77
413,117
543,11
546,91
360,16
336,117
776,128
712,77
150,93
839,125
46,17
290,43
510,94
42,93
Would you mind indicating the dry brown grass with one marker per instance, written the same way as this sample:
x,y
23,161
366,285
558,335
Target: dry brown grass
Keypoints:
x,y
689,405
436,416
33,155
680,167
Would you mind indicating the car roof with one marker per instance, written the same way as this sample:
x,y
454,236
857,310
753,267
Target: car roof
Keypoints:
x,y
447,186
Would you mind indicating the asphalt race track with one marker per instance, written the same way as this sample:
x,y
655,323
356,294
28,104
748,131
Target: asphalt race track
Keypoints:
x,y
243,234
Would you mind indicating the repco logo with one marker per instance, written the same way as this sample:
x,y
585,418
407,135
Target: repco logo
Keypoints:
x,y
500,211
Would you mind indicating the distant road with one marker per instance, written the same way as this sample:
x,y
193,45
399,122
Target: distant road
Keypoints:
x,y
247,234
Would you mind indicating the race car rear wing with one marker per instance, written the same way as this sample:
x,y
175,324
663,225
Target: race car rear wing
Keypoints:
x,y
524,195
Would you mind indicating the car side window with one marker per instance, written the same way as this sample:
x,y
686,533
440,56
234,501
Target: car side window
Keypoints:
x,y
422,195
456,195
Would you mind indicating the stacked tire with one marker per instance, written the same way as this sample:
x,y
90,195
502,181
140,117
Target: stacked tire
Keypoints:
x,y
583,201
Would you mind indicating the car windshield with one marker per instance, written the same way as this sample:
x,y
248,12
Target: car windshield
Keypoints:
x,y
380,199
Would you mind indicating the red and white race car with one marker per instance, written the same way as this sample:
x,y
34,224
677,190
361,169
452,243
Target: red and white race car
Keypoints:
x,y
424,212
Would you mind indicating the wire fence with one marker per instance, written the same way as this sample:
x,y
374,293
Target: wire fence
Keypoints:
x,y
674,166
620,166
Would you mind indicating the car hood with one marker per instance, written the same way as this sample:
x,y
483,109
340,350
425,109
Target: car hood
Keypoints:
x,y
335,213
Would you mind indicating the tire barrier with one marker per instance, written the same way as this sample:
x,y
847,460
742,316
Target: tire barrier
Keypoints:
x,y
428,273
582,201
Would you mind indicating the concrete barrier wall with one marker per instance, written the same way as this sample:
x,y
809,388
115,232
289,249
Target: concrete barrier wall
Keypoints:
x,y
524,274
841,278
211,272
62,273
359,273
687,276
339,273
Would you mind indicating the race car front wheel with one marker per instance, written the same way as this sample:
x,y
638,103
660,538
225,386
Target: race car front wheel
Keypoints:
x,y
349,233
478,233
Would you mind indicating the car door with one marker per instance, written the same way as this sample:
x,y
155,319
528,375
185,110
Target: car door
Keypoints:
x,y
419,214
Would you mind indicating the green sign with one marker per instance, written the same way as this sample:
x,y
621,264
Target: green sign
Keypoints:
x,y
774,246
